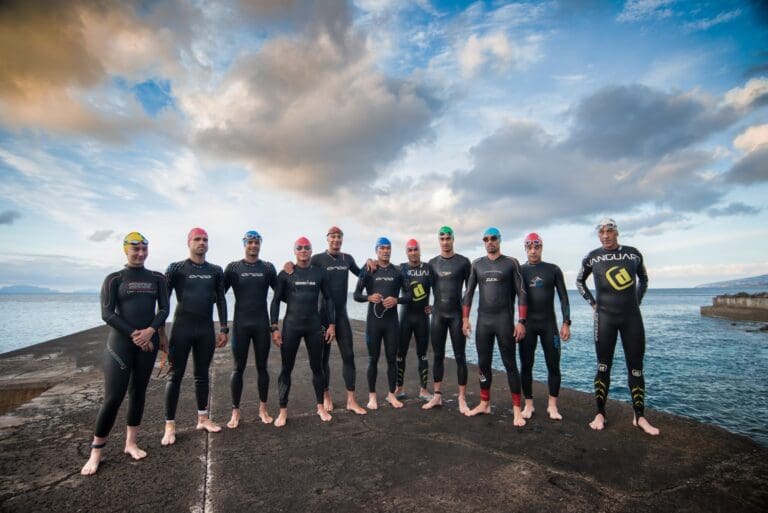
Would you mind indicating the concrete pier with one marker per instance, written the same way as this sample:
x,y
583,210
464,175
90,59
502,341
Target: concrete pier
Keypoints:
x,y
389,460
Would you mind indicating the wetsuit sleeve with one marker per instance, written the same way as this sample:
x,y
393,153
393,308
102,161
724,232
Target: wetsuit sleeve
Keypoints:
x,y
109,305
519,289
581,281
169,273
358,294
221,298
272,278
163,302
642,278
466,303
330,308
562,293
274,308
407,297
353,267
228,276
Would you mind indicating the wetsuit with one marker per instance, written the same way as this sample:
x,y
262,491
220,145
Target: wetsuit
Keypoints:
x,y
500,281
197,287
250,283
414,320
448,278
128,299
620,284
337,268
541,281
382,323
301,291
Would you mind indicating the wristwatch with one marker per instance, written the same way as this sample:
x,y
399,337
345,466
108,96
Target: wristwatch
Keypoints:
x,y
522,321
224,330
567,322
273,328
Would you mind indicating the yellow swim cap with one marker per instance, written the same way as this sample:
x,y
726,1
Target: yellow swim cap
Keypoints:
x,y
134,239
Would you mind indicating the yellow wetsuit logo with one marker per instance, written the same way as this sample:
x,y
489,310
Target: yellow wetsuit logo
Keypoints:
x,y
418,291
619,278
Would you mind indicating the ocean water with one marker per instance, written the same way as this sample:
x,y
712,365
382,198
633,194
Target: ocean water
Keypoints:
x,y
712,370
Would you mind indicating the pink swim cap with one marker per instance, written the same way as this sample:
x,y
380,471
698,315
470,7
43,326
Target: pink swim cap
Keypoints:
x,y
195,232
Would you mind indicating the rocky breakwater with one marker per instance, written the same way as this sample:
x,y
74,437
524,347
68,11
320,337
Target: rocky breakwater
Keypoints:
x,y
739,307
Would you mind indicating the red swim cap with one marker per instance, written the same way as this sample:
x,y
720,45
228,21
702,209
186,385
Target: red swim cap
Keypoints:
x,y
413,243
194,232
335,229
302,241
533,238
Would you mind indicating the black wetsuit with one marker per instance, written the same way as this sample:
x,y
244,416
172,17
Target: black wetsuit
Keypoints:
x,y
301,292
448,278
500,281
541,281
414,320
620,283
382,323
197,287
337,268
250,282
128,299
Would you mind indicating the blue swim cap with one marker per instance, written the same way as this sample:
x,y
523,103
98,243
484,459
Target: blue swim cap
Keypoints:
x,y
492,231
250,235
382,241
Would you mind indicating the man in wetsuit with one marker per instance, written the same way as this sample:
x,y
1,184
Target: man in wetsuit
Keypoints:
x,y
199,285
450,272
620,284
381,292
128,299
500,281
542,279
414,318
250,279
301,291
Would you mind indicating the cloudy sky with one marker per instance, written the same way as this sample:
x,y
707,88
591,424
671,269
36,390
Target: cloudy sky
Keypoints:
x,y
385,117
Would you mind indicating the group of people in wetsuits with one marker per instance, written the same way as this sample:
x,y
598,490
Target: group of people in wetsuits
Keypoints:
x,y
135,304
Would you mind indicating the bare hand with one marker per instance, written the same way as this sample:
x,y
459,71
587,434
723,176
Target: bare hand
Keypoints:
x,y
143,338
428,309
370,265
277,339
565,333
221,339
288,267
519,332
330,333
390,302
163,341
375,298
466,326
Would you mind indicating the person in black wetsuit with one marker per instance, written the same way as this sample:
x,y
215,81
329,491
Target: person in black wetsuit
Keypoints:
x,y
250,279
301,291
199,285
620,284
542,279
128,299
499,279
450,272
382,287
414,318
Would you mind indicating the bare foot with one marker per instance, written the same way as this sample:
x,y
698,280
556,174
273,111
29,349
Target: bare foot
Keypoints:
x,y
598,423
281,417
327,402
554,414
643,424
92,465
437,400
264,414
373,402
354,407
518,419
463,407
322,412
208,425
235,420
391,399
529,409
169,437
484,408
134,452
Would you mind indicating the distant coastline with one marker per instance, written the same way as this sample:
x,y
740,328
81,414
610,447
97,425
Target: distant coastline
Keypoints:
x,y
752,282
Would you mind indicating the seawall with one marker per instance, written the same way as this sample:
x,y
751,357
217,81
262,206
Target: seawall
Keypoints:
x,y
739,307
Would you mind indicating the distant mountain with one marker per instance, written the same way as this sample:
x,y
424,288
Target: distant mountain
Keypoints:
x,y
27,289
746,283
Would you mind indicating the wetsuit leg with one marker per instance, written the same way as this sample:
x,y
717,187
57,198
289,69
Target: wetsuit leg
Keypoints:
x,y
118,363
325,364
550,342
391,342
288,350
261,344
484,343
606,332
504,329
346,348
438,334
421,332
527,356
406,329
313,338
373,336
459,342
241,340
202,353
180,344
143,364
633,341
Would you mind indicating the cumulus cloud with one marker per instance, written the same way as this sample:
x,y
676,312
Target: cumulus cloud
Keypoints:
x,y
751,169
752,138
498,52
101,235
9,216
754,93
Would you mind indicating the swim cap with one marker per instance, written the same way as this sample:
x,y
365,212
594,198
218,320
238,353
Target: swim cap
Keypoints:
x,y
335,229
383,241
532,239
492,232
302,241
411,244
251,235
445,230
134,239
195,232
608,224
